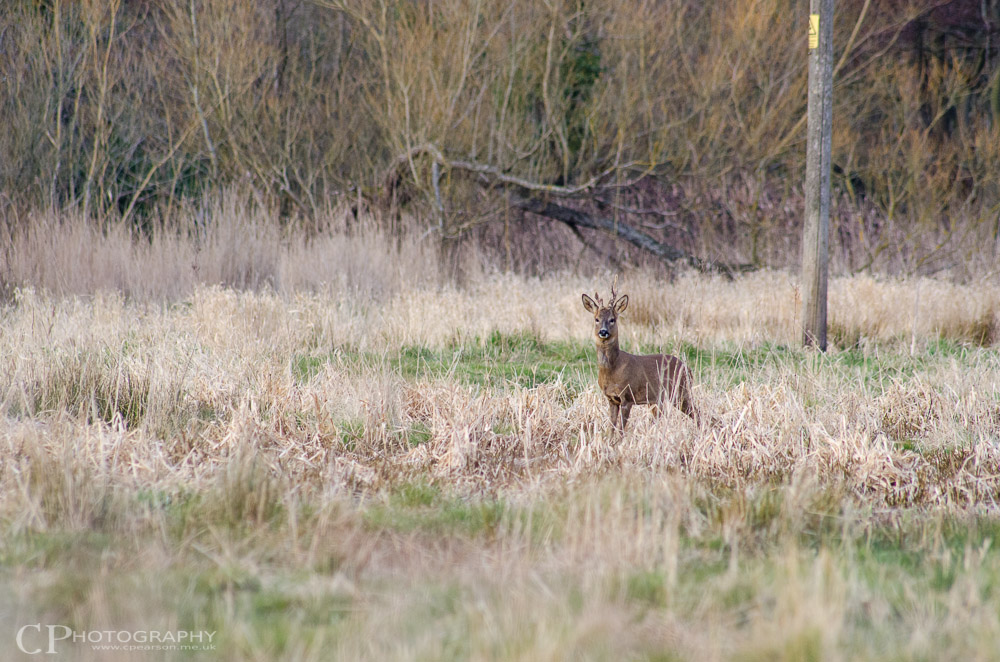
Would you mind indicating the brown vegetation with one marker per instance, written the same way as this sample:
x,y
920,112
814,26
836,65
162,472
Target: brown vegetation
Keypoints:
x,y
679,121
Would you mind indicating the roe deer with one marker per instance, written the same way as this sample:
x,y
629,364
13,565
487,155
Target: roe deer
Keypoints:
x,y
627,379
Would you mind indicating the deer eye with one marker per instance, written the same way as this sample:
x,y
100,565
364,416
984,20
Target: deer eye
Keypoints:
x,y
597,321
611,321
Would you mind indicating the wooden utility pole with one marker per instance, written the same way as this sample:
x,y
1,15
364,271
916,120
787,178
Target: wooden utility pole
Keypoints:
x,y
815,234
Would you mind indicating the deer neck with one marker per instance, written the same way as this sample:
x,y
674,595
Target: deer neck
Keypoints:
x,y
607,354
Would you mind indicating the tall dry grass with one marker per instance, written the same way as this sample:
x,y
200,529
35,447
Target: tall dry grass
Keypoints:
x,y
391,515
231,242
220,364
329,446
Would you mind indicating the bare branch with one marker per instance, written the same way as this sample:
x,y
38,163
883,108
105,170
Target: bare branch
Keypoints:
x,y
578,219
497,176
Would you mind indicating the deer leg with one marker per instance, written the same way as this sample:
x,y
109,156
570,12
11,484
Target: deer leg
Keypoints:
x,y
680,393
685,401
614,409
626,410
687,407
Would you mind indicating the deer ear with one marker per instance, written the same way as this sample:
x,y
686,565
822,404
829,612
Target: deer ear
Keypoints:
x,y
589,304
621,304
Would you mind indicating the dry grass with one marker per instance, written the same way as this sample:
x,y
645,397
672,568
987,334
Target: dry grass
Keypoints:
x,y
395,468
231,242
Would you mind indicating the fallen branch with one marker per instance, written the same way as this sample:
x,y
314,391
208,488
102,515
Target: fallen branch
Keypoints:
x,y
575,218
524,196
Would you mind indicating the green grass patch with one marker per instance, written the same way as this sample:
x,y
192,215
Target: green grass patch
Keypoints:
x,y
421,506
306,366
520,358
351,431
45,549
731,366
527,361
646,587
418,433
497,359
99,385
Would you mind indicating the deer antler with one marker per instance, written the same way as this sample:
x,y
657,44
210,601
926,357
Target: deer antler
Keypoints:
x,y
614,284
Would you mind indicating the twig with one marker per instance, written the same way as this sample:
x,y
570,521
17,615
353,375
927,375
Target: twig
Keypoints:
x,y
496,175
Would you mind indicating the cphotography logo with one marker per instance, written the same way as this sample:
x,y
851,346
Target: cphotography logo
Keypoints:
x,y
35,639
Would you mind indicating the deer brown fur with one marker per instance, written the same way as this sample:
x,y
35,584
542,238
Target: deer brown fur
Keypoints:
x,y
627,379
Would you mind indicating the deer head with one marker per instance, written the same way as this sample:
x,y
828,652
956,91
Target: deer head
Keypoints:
x,y
606,317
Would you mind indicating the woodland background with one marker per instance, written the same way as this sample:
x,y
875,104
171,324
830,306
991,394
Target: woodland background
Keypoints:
x,y
532,130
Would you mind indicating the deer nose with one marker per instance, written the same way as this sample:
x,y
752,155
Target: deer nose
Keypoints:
x,y
603,333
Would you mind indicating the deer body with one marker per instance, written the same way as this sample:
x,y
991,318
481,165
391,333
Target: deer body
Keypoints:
x,y
627,379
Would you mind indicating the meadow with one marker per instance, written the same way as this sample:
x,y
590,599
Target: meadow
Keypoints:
x,y
347,455
293,357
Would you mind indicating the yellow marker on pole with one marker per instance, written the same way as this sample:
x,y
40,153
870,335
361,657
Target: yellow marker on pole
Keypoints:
x,y
813,31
